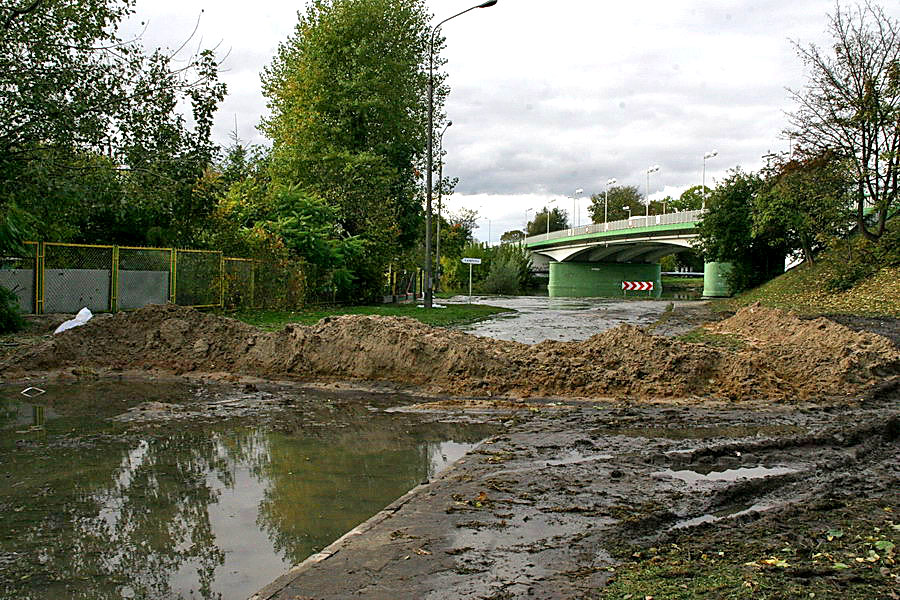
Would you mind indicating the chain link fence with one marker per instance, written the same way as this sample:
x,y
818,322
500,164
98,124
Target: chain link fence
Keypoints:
x,y
56,277
75,276
144,277
199,278
19,275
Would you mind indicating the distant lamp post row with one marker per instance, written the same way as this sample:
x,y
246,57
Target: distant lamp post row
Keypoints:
x,y
429,157
707,156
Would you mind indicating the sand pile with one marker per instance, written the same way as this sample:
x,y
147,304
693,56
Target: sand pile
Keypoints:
x,y
784,357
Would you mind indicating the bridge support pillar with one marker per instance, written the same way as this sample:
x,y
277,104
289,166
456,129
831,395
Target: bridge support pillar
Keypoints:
x,y
715,280
597,279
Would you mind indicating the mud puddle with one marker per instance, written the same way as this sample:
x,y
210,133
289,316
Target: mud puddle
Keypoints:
x,y
164,490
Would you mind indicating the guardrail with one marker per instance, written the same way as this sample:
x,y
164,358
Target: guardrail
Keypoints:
x,y
688,216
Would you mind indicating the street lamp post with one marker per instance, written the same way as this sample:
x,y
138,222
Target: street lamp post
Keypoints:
x,y
706,157
652,169
437,239
547,208
574,200
429,157
609,182
527,210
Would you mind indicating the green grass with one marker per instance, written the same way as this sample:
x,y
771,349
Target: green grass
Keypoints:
x,y
846,552
727,341
454,314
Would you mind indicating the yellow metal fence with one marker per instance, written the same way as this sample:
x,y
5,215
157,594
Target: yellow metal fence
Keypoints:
x,y
54,277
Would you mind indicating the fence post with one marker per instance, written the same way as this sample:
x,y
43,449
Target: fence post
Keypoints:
x,y
252,283
39,273
221,281
173,273
114,281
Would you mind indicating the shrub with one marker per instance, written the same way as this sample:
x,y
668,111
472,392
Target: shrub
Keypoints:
x,y
10,317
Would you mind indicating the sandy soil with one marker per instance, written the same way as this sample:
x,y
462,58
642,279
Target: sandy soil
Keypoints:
x,y
771,355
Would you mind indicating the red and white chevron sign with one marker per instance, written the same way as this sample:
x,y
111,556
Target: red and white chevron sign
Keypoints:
x,y
640,286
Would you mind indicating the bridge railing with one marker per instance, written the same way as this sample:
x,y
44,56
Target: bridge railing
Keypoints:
x,y
688,216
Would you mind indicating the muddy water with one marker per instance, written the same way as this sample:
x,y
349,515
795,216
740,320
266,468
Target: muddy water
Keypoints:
x,y
211,507
539,318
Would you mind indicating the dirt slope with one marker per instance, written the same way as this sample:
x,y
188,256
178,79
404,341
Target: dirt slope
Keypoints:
x,y
784,358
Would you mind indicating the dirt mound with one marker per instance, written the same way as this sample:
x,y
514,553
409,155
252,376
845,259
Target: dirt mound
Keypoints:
x,y
785,357
820,354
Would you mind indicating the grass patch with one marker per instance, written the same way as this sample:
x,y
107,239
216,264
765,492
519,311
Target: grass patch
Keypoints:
x,y
454,314
846,551
728,341
804,290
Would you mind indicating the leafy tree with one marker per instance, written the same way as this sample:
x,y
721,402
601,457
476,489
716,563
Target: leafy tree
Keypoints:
x,y
850,106
803,202
557,220
620,198
347,119
725,233
514,235
90,142
690,199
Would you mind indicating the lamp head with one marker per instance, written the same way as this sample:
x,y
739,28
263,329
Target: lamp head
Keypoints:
x,y
487,4
611,181
711,154
653,169
449,123
579,191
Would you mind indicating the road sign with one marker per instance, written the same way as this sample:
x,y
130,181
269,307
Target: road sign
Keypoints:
x,y
471,261
640,286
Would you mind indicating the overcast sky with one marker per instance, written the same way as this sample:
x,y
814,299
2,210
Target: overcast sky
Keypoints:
x,y
549,96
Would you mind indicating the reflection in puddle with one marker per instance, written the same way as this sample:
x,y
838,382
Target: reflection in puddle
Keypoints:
x,y
181,510
698,476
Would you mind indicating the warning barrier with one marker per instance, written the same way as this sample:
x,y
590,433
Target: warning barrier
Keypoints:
x,y
637,286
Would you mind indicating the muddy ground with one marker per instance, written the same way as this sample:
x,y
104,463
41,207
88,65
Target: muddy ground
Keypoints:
x,y
756,457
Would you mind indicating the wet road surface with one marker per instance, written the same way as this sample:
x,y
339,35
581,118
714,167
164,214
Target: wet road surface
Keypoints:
x,y
563,319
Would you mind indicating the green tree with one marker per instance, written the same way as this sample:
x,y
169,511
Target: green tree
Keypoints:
x,y
850,106
725,233
512,236
557,220
690,199
348,120
803,203
90,141
621,198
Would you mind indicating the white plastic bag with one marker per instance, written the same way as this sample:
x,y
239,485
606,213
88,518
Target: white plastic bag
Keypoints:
x,y
84,315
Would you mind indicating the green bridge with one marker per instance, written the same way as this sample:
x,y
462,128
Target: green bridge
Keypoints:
x,y
594,260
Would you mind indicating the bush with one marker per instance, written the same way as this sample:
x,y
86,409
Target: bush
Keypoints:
x,y
503,278
10,317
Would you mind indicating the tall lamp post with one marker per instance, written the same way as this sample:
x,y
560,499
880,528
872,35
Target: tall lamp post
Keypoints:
x,y
652,169
429,157
437,239
707,156
609,182
547,208
527,210
574,200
